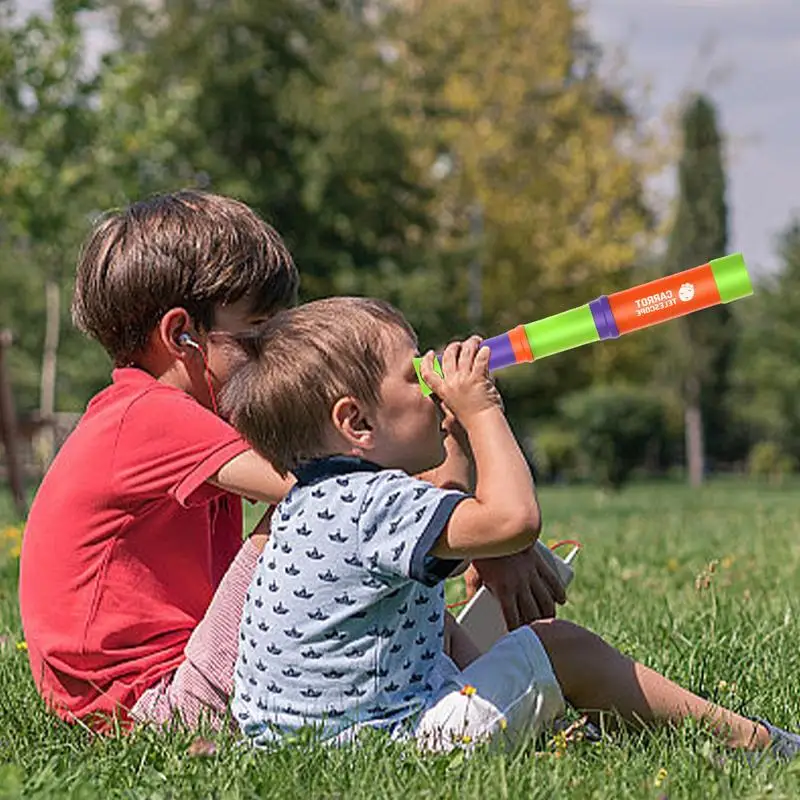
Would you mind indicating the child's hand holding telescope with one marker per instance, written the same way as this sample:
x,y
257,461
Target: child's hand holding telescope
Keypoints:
x,y
465,386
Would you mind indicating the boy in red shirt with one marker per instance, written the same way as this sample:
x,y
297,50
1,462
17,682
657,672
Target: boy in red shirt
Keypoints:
x,y
133,572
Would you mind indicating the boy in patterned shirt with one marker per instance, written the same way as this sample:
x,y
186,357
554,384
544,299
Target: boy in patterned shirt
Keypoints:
x,y
344,622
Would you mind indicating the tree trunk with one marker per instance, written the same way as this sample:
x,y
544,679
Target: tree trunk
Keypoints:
x,y
693,420
47,395
8,429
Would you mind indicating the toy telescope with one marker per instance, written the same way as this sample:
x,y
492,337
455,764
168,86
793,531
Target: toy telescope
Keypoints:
x,y
722,280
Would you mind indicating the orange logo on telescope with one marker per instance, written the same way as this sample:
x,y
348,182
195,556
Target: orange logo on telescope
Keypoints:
x,y
663,299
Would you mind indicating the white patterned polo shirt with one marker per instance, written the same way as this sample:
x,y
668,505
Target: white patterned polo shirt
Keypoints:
x,y
344,618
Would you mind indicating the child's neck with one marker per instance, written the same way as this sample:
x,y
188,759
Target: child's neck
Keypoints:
x,y
170,372
348,452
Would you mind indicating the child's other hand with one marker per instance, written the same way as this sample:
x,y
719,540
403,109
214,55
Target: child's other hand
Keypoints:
x,y
259,536
467,388
455,432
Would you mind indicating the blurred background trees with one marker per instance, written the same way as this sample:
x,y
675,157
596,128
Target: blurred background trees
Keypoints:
x,y
465,159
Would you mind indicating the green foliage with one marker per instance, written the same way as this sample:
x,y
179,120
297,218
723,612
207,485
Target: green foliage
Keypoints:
x,y
556,452
618,428
765,399
294,124
47,126
769,460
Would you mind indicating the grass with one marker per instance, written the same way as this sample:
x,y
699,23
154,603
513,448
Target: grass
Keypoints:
x,y
699,585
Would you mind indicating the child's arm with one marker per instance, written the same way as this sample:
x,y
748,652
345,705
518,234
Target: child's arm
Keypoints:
x,y
252,476
523,582
503,516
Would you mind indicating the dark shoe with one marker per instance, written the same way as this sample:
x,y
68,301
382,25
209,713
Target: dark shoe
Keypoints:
x,y
783,745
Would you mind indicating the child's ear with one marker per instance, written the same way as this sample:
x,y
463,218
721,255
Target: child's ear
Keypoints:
x,y
351,421
175,323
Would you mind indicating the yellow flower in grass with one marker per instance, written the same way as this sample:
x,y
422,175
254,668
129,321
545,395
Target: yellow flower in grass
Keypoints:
x,y
11,539
22,647
559,744
661,776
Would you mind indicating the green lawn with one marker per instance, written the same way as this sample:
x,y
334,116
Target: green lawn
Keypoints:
x,y
702,586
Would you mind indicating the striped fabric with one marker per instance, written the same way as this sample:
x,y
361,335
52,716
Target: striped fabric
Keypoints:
x,y
199,691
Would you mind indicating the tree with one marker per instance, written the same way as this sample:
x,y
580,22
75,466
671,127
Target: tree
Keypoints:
x,y
765,401
702,343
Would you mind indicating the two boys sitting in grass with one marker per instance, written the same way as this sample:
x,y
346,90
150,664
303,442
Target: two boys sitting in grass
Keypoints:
x,y
133,571
133,584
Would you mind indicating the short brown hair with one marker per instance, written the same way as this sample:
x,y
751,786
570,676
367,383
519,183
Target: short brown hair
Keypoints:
x,y
299,364
190,249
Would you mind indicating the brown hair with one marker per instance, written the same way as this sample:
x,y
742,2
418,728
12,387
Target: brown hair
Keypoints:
x,y
190,249
299,364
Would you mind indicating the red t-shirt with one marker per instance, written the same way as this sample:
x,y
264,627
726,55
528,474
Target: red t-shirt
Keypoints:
x,y
125,545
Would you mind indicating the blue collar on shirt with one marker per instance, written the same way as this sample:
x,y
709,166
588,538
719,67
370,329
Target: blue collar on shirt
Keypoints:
x,y
319,469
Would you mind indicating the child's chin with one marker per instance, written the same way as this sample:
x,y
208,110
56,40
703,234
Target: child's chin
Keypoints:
x,y
423,461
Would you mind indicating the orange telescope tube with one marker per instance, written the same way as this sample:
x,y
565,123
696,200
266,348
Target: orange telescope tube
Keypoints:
x,y
664,299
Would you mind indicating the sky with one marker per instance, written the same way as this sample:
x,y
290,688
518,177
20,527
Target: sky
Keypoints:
x,y
745,54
